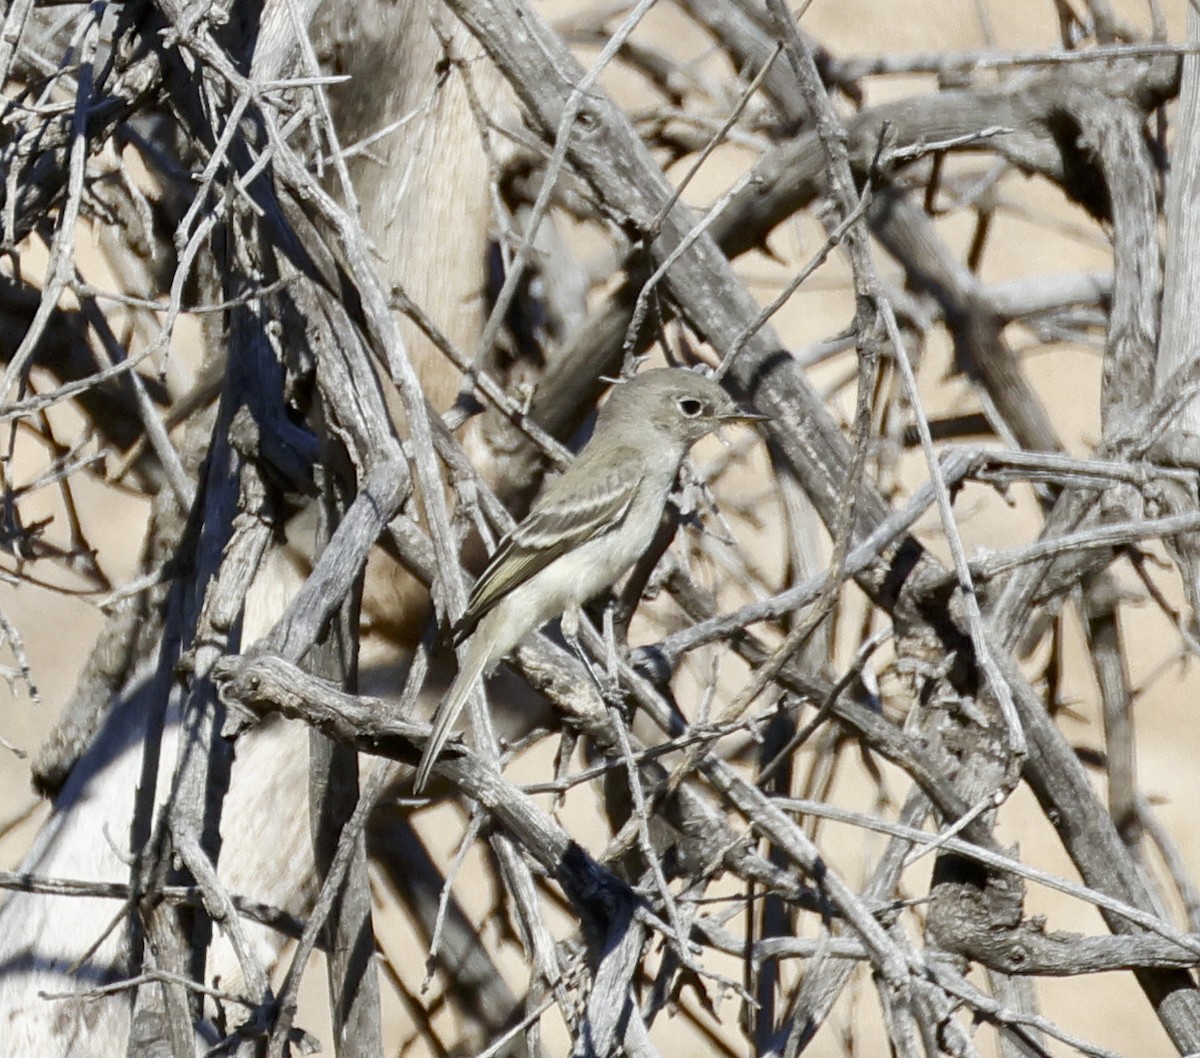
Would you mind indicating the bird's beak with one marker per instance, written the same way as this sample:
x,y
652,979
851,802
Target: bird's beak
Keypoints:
x,y
746,416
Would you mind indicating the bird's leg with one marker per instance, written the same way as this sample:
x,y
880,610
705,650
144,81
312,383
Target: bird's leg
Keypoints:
x,y
612,691
570,632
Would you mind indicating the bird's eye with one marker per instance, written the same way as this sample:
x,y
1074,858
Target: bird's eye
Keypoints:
x,y
691,407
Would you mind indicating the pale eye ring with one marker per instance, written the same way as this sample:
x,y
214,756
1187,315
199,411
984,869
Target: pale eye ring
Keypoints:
x,y
690,406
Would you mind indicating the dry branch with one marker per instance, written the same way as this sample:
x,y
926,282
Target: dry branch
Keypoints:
x,y
318,404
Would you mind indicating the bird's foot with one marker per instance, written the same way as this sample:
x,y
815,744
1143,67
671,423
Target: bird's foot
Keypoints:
x,y
607,680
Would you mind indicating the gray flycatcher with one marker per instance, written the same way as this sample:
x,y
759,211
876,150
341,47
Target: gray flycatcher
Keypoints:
x,y
589,526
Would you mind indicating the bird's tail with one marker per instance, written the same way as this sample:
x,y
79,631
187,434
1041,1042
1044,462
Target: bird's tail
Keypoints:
x,y
476,660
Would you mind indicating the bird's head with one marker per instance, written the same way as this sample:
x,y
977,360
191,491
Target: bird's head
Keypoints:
x,y
675,403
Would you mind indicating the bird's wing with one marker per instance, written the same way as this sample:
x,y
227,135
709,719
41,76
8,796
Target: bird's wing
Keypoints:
x,y
561,520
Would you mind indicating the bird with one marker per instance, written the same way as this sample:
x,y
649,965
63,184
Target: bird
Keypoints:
x,y
587,528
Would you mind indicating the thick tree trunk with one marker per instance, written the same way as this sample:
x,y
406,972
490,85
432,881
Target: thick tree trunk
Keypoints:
x,y
423,197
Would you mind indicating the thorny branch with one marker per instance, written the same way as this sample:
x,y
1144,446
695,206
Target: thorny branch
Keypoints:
x,y
215,139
